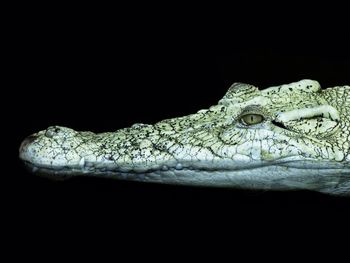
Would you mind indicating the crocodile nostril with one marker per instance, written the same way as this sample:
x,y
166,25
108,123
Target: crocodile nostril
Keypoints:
x,y
52,131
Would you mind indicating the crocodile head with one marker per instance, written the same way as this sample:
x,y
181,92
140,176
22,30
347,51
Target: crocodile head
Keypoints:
x,y
294,136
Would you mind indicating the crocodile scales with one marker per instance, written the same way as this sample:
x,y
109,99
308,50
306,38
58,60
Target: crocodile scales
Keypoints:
x,y
288,137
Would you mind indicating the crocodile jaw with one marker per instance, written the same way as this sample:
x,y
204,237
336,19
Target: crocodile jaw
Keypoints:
x,y
255,171
288,174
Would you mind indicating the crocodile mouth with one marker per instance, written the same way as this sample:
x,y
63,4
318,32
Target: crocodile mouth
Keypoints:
x,y
57,173
66,172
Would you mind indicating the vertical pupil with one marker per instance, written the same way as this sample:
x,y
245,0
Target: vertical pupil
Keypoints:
x,y
251,119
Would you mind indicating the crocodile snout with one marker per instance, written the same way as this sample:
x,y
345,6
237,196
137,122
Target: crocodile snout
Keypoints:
x,y
26,142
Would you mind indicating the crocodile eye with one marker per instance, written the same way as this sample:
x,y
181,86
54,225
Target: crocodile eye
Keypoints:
x,y
251,119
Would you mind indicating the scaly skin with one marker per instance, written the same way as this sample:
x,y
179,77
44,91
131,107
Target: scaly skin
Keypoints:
x,y
301,140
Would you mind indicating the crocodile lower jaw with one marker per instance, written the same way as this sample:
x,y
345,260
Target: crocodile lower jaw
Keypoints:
x,y
286,174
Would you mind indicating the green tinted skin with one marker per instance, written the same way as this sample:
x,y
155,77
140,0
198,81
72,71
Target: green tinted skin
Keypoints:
x,y
288,137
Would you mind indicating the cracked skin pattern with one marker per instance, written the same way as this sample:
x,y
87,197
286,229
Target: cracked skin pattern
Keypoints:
x,y
298,137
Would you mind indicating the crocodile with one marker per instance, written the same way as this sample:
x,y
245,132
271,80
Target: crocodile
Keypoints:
x,y
289,137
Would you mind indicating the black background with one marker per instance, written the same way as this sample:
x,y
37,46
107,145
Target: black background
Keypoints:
x,y
89,71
